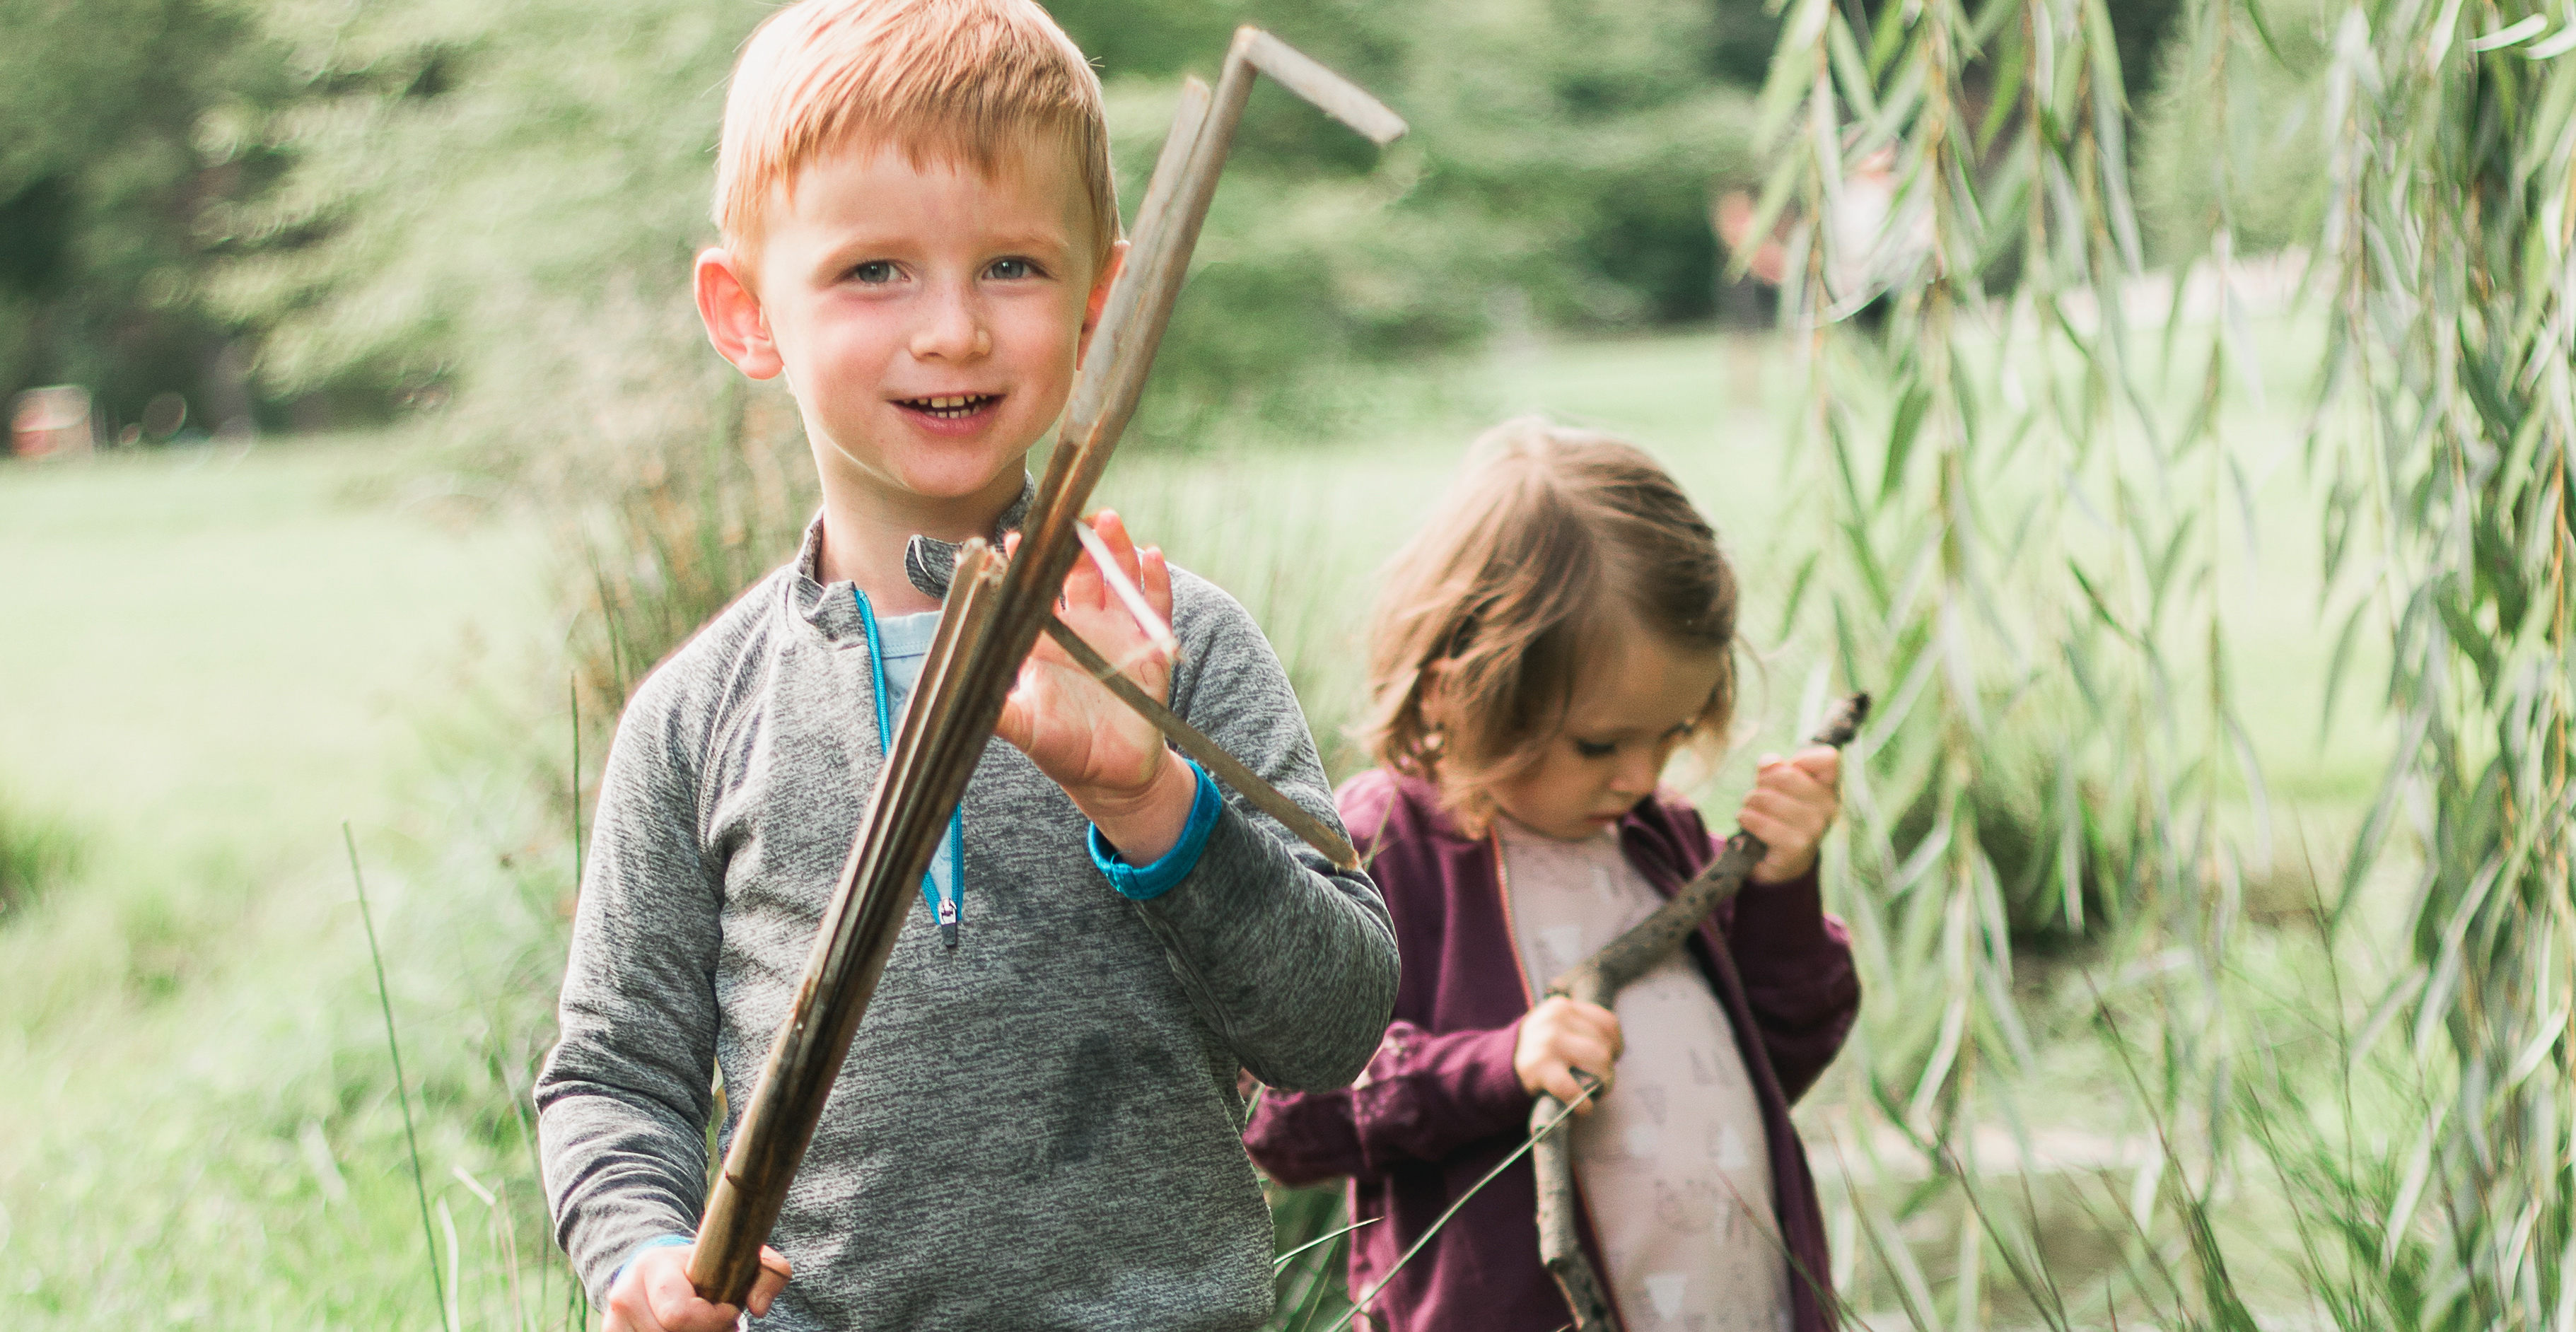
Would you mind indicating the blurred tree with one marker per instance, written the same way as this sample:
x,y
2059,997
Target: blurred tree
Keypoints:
x,y
463,169
127,123
471,177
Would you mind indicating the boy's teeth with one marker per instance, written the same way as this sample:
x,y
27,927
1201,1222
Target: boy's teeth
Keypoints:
x,y
952,405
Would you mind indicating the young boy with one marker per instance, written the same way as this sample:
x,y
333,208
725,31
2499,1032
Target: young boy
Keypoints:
x,y
1038,1126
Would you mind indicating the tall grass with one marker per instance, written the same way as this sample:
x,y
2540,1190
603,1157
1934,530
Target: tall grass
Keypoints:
x,y
35,852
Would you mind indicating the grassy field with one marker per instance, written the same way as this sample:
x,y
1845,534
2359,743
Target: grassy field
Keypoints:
x,y
213,660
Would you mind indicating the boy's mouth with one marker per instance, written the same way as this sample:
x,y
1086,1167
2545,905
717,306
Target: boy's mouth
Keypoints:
x,y
949,407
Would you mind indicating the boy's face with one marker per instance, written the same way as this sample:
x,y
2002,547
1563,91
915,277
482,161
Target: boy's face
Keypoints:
x,y
928,319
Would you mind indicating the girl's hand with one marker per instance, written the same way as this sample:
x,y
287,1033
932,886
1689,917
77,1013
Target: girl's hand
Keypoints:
x,y
653,1294
1560,1036
1792,803
1111,761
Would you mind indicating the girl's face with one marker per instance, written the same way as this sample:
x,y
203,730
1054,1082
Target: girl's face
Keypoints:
x,y
1632,707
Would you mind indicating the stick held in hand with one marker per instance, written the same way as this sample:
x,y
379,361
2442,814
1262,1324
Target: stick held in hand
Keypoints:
x,y
1598,980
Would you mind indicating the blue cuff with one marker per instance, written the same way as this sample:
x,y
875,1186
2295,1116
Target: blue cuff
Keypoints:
x,y
1142,883
657,1242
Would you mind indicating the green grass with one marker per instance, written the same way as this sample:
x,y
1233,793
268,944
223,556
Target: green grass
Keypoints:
x,y
218,659
231,655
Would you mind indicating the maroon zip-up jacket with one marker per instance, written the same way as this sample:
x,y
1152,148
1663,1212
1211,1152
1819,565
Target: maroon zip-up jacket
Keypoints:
x,y
1439,1105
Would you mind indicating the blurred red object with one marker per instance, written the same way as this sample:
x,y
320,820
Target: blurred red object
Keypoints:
x,y
51,421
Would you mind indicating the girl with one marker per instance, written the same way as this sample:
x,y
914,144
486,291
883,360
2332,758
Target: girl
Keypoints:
x,y
1565,623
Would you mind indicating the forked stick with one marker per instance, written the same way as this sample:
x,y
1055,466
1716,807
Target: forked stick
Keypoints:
x,y
989,621
1598,980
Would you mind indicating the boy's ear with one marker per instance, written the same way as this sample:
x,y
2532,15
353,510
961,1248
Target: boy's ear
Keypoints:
x,y
733,316
1100,296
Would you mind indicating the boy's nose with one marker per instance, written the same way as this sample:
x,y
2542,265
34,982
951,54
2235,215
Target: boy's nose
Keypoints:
x,y
953,331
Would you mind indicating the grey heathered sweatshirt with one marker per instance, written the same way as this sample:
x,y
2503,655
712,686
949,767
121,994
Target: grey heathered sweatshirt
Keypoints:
x,y
1038,1129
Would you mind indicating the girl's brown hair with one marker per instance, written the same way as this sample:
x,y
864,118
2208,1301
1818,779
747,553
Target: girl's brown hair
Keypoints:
x,y
1553,540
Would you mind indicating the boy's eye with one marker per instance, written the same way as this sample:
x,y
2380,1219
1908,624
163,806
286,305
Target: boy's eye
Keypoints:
x,y
1011,270
1594,749
874,271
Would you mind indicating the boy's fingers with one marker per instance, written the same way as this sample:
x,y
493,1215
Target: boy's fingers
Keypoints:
x,y
1157,580
671,1304
1824,763
1084,588
630,1311
1013,724
1121,542
774,1271
1112,530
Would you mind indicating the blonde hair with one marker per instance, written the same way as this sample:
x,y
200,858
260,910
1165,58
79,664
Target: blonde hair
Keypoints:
x,y
1552,542
955,81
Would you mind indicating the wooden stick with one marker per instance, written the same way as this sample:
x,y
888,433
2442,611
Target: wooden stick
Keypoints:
x,y
1221,765
1598,980
874,890
1338,97
991,618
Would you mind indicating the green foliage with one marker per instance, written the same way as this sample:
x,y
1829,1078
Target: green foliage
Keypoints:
x,y
129,121
2231,140
2018,544
2025,523
2447,413
480,183
471,179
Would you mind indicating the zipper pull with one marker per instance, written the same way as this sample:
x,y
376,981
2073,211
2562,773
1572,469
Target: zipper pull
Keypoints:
x,y
947,923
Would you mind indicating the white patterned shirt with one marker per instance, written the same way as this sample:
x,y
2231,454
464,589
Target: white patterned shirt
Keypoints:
x,y
1673,1162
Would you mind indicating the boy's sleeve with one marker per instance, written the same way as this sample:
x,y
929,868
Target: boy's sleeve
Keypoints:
x,y
1290,959
623,1102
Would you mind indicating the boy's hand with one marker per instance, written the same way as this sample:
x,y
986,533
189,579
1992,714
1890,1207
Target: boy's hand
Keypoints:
x,y
1111,761
1792,802
653,1294
1560,1036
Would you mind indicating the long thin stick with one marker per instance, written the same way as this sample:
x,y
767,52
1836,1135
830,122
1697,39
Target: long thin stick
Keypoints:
x,y
402,1092
988,624
1598,980
1221,765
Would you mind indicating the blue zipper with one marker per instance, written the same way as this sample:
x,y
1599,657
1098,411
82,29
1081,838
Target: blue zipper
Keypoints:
x,y
947,909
